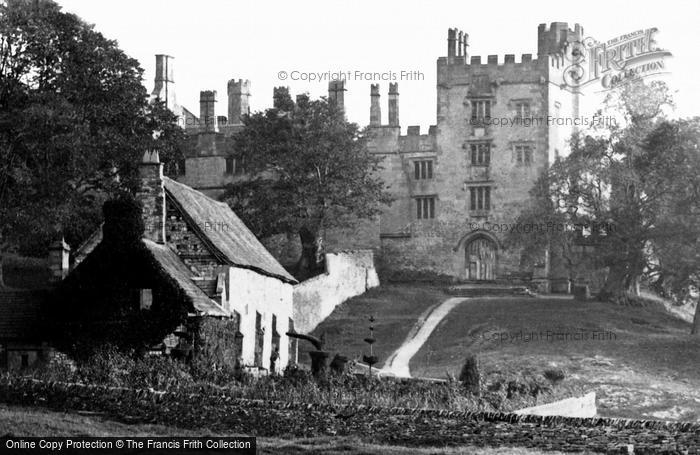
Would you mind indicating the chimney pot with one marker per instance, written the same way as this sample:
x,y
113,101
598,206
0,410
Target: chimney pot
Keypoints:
x,y
375,111
59,260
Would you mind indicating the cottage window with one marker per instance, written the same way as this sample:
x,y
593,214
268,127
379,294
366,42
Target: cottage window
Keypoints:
x,y
480,198
425,207
423,169
234,166
146,299
293,343
181,167
481,154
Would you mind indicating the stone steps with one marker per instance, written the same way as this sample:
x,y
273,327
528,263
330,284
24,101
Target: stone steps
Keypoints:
x,y
493,289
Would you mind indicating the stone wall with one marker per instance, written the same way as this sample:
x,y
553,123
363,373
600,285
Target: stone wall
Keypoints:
x,y
347,274
250,293
220,410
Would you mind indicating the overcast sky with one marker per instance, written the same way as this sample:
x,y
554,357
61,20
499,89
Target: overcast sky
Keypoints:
x,y
214,41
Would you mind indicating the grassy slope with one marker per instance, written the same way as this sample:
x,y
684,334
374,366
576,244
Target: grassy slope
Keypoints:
x,y
649,367
22,421
396,307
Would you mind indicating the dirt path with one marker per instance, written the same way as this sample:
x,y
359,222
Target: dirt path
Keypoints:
x,y
397,363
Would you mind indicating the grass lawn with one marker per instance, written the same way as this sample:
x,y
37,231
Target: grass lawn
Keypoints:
x,y
640,360
26,421
396,308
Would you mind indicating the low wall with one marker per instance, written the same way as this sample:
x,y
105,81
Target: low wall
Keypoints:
x,y
348,273
571,407
220,410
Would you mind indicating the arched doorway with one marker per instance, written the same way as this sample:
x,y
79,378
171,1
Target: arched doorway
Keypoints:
x,y
480,259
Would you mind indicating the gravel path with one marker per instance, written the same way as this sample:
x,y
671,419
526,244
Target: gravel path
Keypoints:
x,y
397,363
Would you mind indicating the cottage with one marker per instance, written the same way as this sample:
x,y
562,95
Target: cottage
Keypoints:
x,y
181,274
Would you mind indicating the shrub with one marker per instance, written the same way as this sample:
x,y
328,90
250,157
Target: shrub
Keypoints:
x,y
554,375
159,373
107,365
469,376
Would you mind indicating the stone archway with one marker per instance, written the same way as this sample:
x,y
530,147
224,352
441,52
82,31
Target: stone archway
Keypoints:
x,y
480,251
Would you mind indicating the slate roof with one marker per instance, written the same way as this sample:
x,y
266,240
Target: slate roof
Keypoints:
x,y
177,270
225,232
20,313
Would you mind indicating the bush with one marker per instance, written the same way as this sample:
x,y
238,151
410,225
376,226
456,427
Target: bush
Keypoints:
x,y
469,376
106,366
554,375
159,373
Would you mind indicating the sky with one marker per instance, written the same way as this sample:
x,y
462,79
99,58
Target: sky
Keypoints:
x,y
214,41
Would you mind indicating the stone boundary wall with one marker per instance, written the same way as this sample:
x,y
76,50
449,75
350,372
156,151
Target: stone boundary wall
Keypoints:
x,y
348,274
219,410
570,407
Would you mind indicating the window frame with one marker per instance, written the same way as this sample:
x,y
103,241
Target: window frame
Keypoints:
x,y
481,109
423,169
425,207
479,157
524,154
480,198
520,107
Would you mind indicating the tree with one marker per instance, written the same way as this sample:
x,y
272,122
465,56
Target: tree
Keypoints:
x,y
635,185
309,169
74,120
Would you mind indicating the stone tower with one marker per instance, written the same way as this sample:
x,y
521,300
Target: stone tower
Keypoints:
x,y
238,100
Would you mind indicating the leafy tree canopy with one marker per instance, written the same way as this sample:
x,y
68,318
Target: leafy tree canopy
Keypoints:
x,y
635,185
74,115
309,170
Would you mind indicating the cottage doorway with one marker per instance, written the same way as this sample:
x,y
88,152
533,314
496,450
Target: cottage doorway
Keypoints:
x,y
480,259
259,341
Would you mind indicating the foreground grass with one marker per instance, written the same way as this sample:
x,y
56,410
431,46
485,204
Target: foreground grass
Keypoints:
x,y
396,309
640,360
26,421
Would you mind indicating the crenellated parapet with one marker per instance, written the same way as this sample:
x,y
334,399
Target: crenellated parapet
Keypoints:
x,y
552,39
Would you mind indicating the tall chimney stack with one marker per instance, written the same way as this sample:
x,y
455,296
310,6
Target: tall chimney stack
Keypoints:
x,y
393,104
451,38
59,255
375,111
336,93
207,111
238,100
151,195
164,86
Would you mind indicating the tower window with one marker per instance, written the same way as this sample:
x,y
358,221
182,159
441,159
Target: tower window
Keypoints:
x,y
481,110
522,109
523,154
480,154
425,208
480,198
423,169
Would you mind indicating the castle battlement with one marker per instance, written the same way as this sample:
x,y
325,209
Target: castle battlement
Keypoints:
x,y
239,85
507,61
